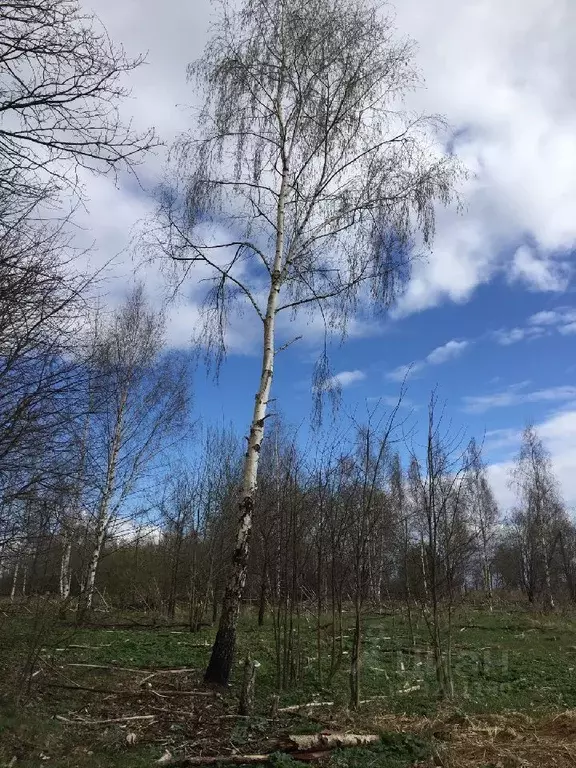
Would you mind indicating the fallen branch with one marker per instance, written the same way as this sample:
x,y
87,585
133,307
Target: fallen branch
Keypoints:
x,y
144,692
112,668
296,707
90,647
80,721
181,762
374,698
165,672
104,666
306,748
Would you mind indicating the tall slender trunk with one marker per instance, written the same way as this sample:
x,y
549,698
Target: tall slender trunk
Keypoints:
x,y
14,580
65,575
263,591
488,585
103,517
567,569
222,657
550,604
88,588
407,590
68,523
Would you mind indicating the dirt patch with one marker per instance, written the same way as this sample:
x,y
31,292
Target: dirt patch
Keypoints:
x,y
512,740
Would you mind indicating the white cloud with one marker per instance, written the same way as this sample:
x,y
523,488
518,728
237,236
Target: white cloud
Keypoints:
x,y
499,478
446,352
538,273
549,317
459,262
514,99
345,379
540,324
438,356
514,335
405,371
516,395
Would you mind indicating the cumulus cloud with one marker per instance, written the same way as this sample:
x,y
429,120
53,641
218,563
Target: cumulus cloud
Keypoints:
x,y
446,352
514,335
513,105
515,99
562,320
438,356
546,317
516,394
538,273
345,379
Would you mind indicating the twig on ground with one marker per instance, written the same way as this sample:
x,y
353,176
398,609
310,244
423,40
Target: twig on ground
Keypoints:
x,y
296,707
127,718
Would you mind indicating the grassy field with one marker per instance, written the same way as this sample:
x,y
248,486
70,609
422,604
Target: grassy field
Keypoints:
x,y
515,680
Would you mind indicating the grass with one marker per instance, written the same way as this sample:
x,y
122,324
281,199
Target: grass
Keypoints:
x,y
503,662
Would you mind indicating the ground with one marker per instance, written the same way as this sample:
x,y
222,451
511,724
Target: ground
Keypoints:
x,y
514,705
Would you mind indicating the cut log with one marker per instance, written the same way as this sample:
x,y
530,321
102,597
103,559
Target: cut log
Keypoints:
x,y
320,741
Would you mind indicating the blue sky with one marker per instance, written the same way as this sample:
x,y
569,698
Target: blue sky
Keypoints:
x,y
512,362
471,317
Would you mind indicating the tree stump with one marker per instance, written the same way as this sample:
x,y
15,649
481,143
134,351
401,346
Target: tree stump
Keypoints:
x,y
247,693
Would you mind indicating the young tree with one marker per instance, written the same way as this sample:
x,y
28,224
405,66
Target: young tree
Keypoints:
x,y
402,518
137,398
483,514
437,495
539,516
371,506
308,160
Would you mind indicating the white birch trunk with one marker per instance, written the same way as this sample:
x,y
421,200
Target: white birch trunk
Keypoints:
x,y
550,604
90,580
14,581
221,660
65,574
103,518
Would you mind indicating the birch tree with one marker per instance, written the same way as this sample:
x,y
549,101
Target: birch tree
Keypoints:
x,y
436,484
539,516
138,398
305,158
483,515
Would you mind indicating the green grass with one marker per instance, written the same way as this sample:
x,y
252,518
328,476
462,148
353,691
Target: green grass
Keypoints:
x,y
502,662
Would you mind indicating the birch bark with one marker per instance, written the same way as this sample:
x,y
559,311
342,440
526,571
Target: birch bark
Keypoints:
x,y
220,665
